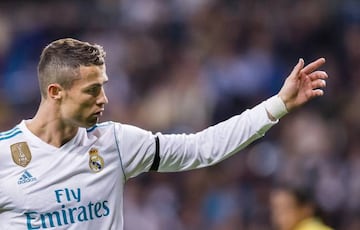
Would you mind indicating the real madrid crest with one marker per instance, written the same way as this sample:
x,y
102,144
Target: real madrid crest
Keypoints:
x,y
20,153
96,162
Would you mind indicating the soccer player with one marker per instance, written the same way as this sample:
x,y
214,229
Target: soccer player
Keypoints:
x,y
64,169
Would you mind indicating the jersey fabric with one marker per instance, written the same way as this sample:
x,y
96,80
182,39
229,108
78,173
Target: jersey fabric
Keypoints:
x,y
311,224
80,185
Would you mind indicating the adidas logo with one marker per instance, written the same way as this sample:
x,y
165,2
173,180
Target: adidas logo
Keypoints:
x,y
26,178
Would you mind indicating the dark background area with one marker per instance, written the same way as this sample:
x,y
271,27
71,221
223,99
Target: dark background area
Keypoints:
x,y
182,65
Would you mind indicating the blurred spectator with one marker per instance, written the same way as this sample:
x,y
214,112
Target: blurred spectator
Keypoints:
x,y
293,208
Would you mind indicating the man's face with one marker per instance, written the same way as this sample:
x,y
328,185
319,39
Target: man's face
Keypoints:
x,y
83,104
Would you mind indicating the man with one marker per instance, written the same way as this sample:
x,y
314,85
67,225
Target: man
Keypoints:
x,y
63,169
293,208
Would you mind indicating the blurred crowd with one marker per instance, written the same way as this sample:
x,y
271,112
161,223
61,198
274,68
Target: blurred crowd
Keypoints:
x,y
181,65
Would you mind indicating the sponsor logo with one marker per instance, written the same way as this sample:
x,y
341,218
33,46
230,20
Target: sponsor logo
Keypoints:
x,y
72,210
26,177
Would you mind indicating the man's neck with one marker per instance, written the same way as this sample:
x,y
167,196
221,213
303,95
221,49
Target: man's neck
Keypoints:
x,y
50,128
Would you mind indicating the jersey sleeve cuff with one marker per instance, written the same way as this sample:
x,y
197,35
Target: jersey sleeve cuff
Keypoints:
x,y
276,107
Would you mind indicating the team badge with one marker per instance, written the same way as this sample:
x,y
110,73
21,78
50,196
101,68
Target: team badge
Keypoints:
x,y
96,162
20,153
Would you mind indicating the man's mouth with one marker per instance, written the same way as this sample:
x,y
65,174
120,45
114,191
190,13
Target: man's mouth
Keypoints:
x,y
99,113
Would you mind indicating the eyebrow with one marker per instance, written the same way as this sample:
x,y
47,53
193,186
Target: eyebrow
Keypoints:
x,y
89,87
98,84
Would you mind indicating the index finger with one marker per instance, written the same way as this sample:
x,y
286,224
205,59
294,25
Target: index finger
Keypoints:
x,y
313,66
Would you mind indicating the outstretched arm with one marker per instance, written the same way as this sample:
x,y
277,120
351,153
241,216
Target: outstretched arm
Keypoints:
x,y
303,84
216,143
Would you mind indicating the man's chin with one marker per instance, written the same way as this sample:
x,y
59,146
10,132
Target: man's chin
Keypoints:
x,y
91,123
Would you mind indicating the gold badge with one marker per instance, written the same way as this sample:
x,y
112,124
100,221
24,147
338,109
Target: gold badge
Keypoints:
x,y
96,162
20,153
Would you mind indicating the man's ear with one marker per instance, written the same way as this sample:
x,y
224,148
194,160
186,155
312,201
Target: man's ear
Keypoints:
x,y
55,91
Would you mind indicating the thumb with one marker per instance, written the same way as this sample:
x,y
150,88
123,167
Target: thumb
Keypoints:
x,y
297,68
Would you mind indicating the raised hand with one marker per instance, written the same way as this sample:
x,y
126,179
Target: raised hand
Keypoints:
x,y
303,84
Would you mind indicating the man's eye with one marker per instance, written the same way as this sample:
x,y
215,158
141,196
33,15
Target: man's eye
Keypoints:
x,y
93,91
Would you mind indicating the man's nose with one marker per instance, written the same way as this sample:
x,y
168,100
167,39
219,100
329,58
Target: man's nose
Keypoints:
x,y
102,98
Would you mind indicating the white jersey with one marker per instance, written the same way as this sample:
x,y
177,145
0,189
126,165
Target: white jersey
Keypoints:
x,y
80,185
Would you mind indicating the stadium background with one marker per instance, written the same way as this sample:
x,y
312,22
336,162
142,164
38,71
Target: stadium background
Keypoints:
x,y
181,65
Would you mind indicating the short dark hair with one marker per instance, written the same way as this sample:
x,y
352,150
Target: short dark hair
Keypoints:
x,y
302,194
61,59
